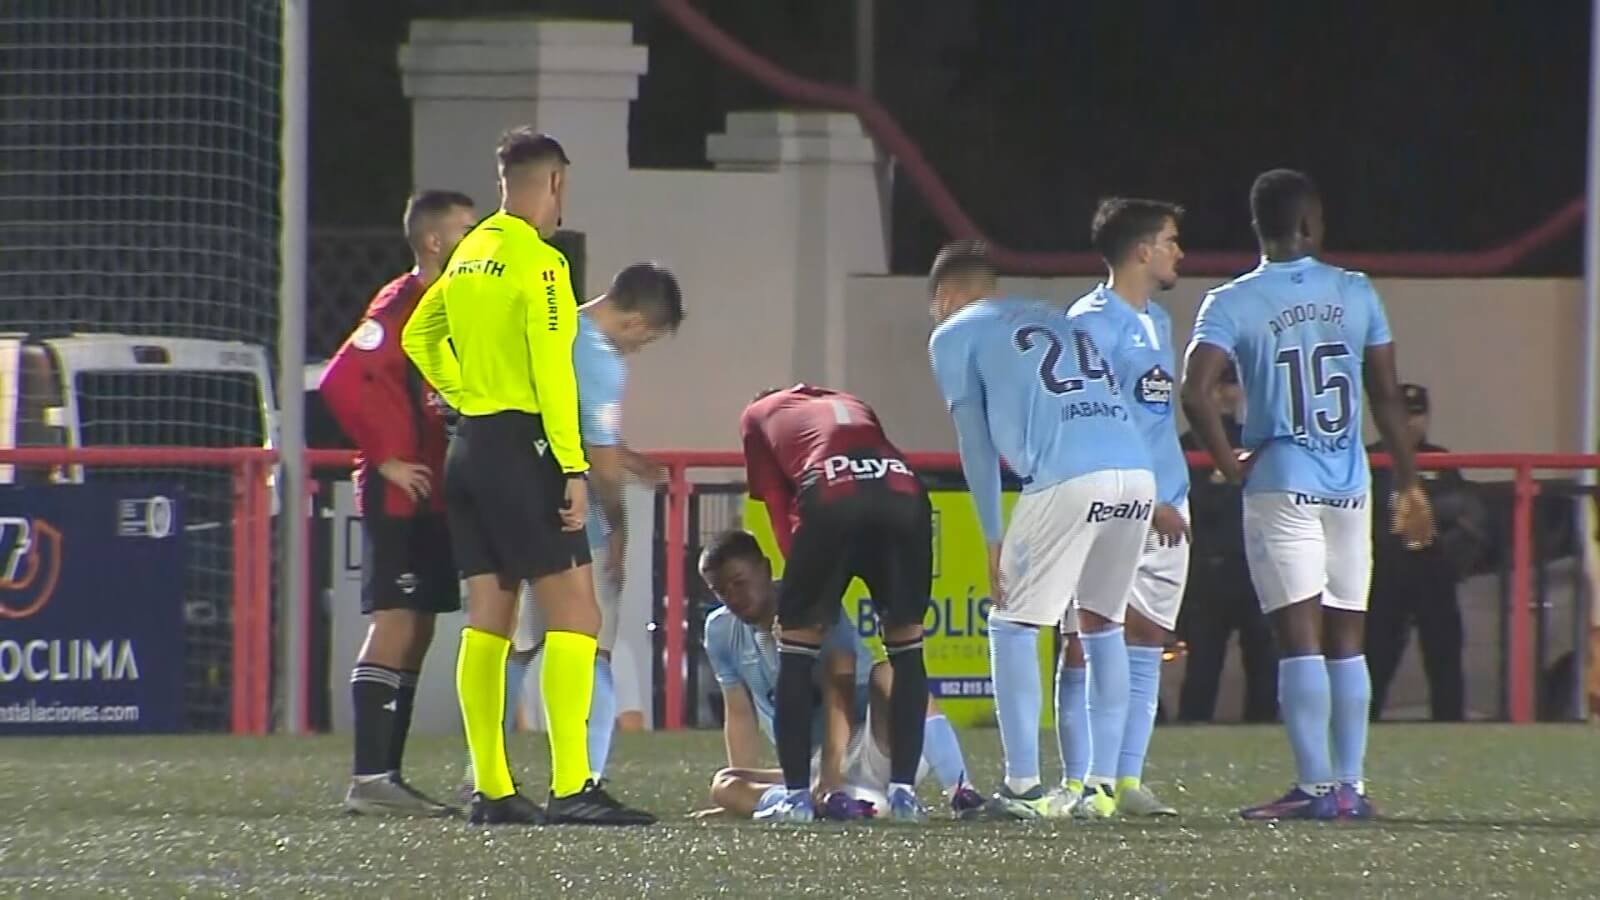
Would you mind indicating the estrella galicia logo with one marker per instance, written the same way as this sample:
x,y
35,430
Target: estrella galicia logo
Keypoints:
x,y
30,565
1154,390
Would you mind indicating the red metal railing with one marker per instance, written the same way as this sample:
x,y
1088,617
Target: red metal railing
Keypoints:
x,y
252,551
1519,638
883,127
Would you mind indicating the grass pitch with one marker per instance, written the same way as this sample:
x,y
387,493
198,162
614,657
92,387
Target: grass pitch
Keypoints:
x,y
1473,811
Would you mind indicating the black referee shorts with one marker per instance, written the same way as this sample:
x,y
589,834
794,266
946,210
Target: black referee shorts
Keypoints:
x,y
406,563
882,536
504,492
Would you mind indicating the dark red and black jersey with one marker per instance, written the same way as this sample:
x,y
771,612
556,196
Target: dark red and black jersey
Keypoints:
x,y
814,438
384,405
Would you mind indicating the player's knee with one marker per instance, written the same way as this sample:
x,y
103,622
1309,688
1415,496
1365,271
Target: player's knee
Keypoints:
x,y
906,633
1145,632
1072,651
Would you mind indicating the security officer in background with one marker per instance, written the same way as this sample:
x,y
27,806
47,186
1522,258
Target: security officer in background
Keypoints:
x,y
1219,598
1418,587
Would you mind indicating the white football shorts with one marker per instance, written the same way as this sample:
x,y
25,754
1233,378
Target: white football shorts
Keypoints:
x,y
530,620
1300,545
1083,539
1158,583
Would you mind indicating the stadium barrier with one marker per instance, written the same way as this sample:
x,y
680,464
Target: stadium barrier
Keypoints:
x,y
252,558
1520,663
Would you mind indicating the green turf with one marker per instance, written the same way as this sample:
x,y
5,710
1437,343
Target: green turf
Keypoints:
x,y
1474,811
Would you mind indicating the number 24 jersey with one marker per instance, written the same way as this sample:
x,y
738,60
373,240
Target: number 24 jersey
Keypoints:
x,y
1054,408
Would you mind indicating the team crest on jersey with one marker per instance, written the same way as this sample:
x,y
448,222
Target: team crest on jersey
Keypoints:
x,y
1154,389
368,336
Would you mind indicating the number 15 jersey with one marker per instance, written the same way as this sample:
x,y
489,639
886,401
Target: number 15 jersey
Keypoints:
x,y
1299,331
1053,405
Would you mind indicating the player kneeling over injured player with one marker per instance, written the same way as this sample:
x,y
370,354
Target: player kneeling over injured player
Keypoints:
x,y
851,723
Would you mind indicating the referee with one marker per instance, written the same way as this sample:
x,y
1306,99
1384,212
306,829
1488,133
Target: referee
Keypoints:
x,y
494,335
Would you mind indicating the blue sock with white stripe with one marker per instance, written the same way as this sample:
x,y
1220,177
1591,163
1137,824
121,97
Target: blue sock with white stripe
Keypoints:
x,y
943,752
1350,690
1107,655
1305,702
1072,722
1144,695
1014,662
602,716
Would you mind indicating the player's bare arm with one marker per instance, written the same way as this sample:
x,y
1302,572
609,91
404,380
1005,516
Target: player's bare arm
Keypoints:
x,y
1202,371
1413,516
642,467
740,734
608,473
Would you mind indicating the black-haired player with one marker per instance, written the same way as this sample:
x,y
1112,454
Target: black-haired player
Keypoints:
x,y
408,573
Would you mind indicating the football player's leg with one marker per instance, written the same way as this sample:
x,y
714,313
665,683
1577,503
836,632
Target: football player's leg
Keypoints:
x,y
1349,577
1102,594
741,792
1072,709
900,577
1040,561
1287,555
1152,615
603,704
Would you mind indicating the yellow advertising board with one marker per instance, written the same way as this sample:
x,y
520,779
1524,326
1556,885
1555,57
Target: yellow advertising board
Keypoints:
x,y
956,645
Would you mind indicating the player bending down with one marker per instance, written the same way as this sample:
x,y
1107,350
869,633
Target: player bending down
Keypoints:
x,y
1138,239
408,574
494,334
1024,382
1303,333
850,734
843,504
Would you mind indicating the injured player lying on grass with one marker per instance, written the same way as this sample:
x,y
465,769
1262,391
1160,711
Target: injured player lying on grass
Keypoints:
x,y
851,762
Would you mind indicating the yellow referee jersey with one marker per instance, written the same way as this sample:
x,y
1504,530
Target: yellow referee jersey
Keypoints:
x,y
494,333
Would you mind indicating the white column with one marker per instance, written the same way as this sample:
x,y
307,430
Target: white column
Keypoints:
x,y
469,80
832,201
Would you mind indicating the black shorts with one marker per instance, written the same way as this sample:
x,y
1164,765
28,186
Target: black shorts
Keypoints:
x,y
882,536
504,495
406,563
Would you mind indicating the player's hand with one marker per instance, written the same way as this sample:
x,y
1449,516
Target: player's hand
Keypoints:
x,y
413,478
997,594
616,557
576,507
1413,517
1168,524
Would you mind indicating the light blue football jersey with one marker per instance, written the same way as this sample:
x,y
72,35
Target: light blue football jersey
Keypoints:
x,y
742,657
602,376
1299,332
1143,363
1053,409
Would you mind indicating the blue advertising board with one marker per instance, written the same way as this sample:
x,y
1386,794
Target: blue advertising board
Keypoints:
x,y
91,609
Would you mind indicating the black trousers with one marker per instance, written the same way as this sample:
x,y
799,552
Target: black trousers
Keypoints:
x,y
1416,591
1219,601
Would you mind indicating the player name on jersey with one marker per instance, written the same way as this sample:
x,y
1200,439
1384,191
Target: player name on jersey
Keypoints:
x,y
1089,409
1302,313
